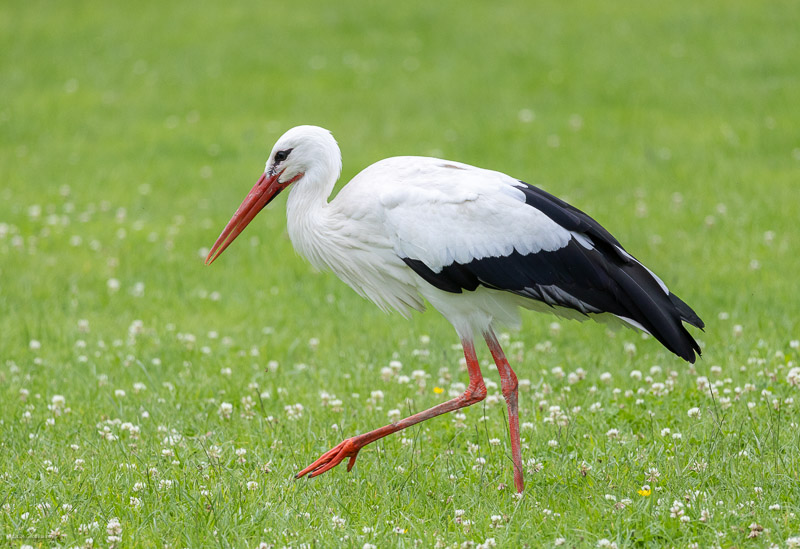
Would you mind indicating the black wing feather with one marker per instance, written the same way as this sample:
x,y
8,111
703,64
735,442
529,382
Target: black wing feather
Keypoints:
x,y
603,279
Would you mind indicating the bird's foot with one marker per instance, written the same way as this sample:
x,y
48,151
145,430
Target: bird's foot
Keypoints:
x,y
332,458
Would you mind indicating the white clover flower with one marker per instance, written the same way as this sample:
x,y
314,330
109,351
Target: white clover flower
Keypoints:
x,y
573,378
114,528
225,410
604,543
693,413
658,389
755,530
793,377
677,509
338,522
534,466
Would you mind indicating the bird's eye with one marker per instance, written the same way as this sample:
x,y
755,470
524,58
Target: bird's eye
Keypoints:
x,y
280,156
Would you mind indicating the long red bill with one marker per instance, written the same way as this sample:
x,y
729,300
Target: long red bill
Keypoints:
x,y
259,196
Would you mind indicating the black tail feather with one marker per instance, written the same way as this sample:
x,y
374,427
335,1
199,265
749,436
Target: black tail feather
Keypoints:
x,y
661,313
687,314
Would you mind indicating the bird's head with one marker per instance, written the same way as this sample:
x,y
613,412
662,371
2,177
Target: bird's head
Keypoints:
x,y
304,153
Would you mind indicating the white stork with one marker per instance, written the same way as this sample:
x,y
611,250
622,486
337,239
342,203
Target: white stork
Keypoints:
x,y
476,244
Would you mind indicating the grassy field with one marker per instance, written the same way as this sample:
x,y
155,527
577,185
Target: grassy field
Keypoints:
x,y
148,400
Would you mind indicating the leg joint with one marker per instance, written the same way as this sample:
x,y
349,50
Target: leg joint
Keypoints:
x,y
474,393
509,384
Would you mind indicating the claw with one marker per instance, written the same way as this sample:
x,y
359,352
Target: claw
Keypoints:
x,y
332,458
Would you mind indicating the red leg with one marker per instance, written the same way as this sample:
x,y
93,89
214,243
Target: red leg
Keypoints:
x,y
350,447
508,380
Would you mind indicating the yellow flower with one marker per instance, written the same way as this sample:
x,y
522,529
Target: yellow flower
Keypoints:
x,y
644,493
438,390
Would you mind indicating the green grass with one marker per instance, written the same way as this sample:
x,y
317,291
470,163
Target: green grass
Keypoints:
x,y
128,135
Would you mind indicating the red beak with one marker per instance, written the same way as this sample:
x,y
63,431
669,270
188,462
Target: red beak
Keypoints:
x,y
262,193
